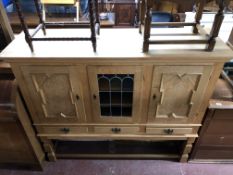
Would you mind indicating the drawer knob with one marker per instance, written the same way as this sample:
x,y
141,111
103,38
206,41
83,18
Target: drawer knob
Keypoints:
x,y
65,130
94,96
116,130
168,131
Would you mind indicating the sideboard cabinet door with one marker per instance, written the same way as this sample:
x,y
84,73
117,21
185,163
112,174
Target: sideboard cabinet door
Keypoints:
x,y
177,92
116,93
55,92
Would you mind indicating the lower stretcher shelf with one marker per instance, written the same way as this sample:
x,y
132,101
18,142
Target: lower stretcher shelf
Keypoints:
x,y
118,149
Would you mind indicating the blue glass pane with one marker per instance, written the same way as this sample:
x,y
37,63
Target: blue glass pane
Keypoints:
x,y
6,2
161,17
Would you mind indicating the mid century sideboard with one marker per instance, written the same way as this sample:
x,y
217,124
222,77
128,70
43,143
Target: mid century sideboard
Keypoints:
x,y
117,93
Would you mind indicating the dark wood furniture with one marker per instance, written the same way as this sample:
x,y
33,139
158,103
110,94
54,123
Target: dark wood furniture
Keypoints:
x,y
32,21
125,11
230,40
6,33
215,143
146,7
19,147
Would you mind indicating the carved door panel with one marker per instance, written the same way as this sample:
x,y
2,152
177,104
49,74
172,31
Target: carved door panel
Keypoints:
x,y
55,92
177,92
116,93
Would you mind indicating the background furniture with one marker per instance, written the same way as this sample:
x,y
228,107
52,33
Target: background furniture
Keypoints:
x,y
122,15
6,33
125,11
230,39
215,143
72,5
6,2
119,93
129,11
19,147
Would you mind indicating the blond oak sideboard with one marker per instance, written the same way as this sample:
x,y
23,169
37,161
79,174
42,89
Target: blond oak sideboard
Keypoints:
x,y
118,93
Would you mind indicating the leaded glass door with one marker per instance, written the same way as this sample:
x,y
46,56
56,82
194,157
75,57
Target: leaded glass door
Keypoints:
x,y
116,93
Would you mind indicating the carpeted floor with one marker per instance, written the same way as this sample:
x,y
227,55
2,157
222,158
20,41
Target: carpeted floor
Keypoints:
x,y
126,167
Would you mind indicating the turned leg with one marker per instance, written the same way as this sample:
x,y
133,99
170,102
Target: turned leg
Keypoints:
x,y
141,11
216,25
187,149
24,25
92,24
49,149
147,23
198,16
97,19
39,14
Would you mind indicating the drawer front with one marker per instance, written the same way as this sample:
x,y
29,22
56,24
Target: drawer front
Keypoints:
x,y
212,153
168,131
223,114
62,130
116,130
223,127
222,140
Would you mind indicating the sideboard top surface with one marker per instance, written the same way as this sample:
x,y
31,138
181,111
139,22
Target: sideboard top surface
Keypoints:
x,y
114,44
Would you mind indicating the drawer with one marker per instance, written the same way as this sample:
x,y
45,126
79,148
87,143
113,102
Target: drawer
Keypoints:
x,y
223,127
168,131
62,130
212,153
223,114
116,130
221,140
